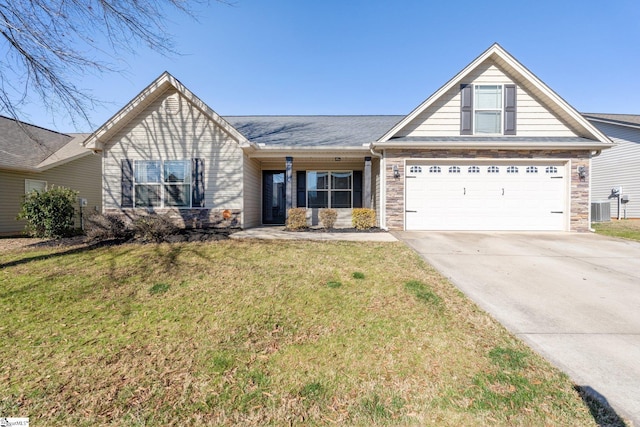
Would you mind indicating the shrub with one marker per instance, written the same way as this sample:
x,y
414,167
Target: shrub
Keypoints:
x,y
363,218
106,227
154,228
297,218
328,217
49,213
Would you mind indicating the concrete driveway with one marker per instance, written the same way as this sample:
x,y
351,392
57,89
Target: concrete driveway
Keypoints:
x,y
574,298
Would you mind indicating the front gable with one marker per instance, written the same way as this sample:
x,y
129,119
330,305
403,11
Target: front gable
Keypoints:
x,y
528,108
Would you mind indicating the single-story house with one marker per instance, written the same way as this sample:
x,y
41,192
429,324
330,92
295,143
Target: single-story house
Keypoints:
x,y
32,157
618,168
493,149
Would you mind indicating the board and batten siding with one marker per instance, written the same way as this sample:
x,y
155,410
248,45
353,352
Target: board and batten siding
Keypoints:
x,y
618,166
171,128
442,118
82,175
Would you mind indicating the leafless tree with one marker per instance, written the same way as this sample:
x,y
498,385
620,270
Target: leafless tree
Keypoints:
x,y
46,45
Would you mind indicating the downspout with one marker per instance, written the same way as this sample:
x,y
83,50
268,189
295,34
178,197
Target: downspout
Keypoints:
x,y
593,154
383,185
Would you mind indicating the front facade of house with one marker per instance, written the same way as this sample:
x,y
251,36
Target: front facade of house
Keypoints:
x,y
493,149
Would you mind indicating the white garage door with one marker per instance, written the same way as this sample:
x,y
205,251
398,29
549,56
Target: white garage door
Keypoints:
x,y
480,196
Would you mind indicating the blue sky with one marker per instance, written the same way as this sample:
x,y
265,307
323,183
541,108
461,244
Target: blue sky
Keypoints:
x,y
274,57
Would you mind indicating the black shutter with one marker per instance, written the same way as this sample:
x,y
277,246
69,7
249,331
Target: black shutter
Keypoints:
x,y
301,187
466,109
509,109
126,183
357,189
197,183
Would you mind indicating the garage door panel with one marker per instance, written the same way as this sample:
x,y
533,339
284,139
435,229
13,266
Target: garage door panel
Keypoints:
x,y
486,197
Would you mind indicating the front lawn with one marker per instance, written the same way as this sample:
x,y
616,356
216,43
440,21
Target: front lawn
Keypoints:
x,y
625,228
257,333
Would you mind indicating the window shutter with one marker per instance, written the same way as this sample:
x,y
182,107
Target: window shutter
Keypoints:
x,y
357,189
301,186
509,109
126,183
197,183
466,109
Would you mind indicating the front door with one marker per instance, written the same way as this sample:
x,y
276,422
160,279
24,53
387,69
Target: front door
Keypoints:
x,y
273,197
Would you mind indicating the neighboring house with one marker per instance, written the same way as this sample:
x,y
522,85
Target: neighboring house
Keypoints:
x,y
35,158
493,149
620,166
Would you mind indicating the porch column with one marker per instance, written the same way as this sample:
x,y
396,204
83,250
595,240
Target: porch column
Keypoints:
x,y
289,184
367,183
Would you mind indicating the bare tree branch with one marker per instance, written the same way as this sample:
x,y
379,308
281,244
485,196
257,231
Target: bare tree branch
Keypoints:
x,y
47,45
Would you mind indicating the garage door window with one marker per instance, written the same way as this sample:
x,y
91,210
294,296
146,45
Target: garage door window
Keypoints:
x,y
512,169
435,169
551,169
493,169
415,169
473,169
532,169
454,169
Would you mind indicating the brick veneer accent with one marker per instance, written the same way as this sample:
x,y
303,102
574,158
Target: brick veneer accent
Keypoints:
x,y
186,218
394,203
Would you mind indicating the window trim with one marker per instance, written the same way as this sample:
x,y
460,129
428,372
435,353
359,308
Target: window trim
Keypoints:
x,y
329,190
163,183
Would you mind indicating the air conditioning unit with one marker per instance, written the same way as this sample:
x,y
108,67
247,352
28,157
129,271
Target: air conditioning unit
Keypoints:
x,y
600,211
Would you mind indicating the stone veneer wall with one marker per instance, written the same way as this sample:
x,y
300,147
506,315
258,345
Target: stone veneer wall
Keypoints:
x,y
186,218
394,203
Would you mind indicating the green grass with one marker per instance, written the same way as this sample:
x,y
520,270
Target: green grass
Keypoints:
x,y
627,229
253,333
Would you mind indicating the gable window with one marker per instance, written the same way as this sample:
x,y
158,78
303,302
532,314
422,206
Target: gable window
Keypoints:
x,y
488,109
330,189
162,184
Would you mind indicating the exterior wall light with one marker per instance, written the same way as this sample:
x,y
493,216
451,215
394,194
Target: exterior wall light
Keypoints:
x,y
396,171
582,172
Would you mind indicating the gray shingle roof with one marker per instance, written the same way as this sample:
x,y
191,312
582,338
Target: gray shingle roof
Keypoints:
x,y
631,119
313,131
25,146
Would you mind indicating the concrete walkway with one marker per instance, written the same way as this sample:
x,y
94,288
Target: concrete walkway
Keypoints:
x,y
574,298
277,232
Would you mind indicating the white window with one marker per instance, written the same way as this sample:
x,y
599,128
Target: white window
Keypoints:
x,y
162,184
473,169
34,184
493,169
454,169
435,169
532,169
551,169
488,109
512,169
415,169
329,189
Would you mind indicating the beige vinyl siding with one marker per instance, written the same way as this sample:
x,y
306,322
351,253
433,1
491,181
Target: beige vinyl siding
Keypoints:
x,y
252,210
618,166
82,175
442,118
171,128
